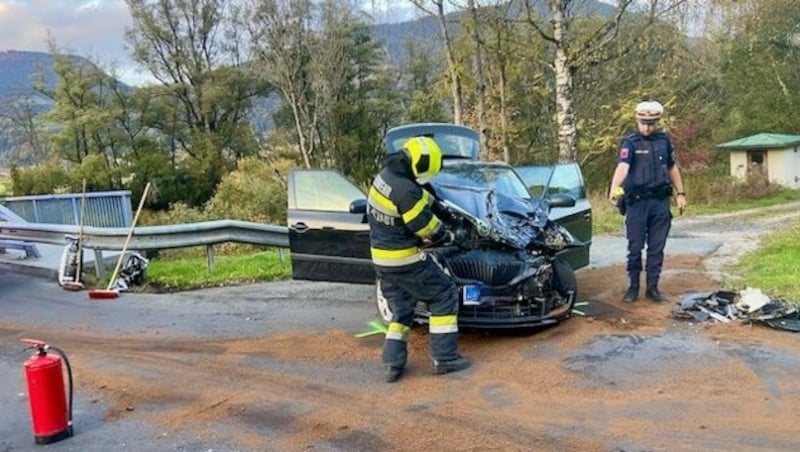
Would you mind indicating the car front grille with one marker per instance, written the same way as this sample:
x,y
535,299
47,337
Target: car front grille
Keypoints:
x,y
490,267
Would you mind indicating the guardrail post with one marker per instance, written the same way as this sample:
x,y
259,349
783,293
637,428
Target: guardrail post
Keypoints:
x,y
74,204
210,258
35,212
99,264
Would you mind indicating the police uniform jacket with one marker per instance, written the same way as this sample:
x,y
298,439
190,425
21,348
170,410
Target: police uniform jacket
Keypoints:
x,y
650,159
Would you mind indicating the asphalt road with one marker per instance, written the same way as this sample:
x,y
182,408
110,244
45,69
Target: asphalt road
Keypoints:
x,y
144,325
33,304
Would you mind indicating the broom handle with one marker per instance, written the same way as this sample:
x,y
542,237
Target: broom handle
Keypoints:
x,y
80,233
128,239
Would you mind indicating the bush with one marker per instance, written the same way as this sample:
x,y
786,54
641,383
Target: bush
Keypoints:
x,y
711,190
255,191
177,213
40,179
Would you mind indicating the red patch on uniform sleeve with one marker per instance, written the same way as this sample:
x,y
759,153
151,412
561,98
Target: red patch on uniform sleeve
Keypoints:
x,y
623,153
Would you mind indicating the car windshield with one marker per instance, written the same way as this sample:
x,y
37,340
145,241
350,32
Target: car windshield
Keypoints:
x,y
502,179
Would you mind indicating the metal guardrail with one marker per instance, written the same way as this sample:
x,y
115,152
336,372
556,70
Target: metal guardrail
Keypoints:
x,y
152,237
206,234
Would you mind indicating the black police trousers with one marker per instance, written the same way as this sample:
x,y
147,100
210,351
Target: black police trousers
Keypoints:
x,y
647,221
426,282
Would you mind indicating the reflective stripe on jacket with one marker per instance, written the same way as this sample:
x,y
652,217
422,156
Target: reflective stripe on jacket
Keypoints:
x,y
400,216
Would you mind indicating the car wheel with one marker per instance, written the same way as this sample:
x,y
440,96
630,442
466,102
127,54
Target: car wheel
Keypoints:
x,y
386,313
384,309
564,281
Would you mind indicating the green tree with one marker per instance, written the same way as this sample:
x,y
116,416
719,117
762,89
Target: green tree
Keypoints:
x,y
422,82
193,49
326,65
763,45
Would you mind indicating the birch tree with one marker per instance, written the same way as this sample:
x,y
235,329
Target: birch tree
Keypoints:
x,y
453,67
571,54
303,67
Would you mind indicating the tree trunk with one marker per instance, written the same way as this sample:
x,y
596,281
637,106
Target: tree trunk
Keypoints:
x,y
480,85
565,111
452,68
564,72
504,115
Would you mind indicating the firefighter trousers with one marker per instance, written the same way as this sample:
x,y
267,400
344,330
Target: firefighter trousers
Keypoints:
x,y
422,281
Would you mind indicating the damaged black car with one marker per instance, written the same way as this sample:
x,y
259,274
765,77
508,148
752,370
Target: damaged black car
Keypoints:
x,y
520,232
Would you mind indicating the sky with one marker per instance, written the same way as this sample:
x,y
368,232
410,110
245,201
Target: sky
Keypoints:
x,y
91,28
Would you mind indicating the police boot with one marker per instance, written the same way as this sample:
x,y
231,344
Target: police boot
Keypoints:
x,y
633,290
441,367
393,373
654,294
631,294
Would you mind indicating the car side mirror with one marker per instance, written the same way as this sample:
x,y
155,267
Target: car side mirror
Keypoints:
x,y
561,200
360,206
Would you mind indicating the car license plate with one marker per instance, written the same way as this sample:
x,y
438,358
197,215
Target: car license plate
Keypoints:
x,y
471,295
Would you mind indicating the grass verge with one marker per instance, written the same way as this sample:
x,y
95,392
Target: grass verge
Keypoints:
x,y
186,273
774,267
607,220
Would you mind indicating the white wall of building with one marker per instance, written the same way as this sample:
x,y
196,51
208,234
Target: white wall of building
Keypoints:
x,y
783,166
793,167
738,164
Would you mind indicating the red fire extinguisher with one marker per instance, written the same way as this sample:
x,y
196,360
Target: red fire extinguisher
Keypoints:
x,y
50,414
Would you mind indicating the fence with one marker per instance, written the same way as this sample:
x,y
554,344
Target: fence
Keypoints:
x,y
110,209
30,249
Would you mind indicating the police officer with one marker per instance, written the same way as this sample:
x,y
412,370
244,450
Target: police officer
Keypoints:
x,y
402,220
648,175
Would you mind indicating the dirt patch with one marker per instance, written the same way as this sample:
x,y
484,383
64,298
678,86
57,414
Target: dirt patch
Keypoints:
x,y
555,390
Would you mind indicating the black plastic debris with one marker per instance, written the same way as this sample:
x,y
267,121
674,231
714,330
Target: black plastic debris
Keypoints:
x,y
748,305
133,272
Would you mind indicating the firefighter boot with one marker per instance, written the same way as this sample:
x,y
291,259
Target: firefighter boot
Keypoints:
x,y
393,373
633,290
441,367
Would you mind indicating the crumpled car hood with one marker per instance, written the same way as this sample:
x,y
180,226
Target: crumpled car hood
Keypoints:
x,y
514,221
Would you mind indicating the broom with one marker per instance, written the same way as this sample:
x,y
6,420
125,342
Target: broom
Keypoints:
x,y
108,293
77,284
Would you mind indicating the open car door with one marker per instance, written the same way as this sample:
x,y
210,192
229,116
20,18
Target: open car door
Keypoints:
x,y
328,229
544,180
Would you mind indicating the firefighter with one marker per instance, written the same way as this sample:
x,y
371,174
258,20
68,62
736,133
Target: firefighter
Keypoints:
x,y
648,175
402,221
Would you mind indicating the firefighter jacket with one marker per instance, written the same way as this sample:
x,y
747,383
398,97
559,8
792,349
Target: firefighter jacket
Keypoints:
x,y
400,215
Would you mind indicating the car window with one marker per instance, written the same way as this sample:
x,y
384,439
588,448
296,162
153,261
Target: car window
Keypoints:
x,y
451,145
455,141
324,190
566,178
501,179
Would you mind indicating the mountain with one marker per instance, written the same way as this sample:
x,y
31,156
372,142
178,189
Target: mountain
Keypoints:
x,y
19,71
425,30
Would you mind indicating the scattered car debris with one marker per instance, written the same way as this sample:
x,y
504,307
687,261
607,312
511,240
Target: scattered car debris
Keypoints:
x,y
747,305
133,272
